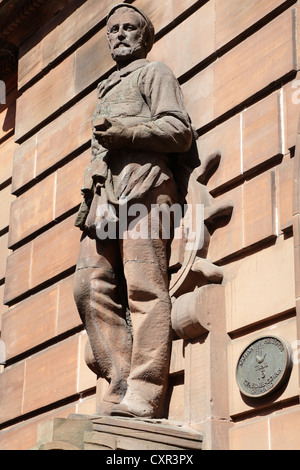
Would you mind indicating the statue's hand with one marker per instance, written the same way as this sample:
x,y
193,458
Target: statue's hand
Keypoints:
x,y
112,135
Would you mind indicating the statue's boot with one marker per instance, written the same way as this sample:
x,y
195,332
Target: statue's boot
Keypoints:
x,y
135,407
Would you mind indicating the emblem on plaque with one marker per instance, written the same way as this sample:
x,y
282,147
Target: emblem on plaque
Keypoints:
x,y
264,366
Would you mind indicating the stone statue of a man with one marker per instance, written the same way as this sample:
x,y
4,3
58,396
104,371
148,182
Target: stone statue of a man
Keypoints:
x,y
140,123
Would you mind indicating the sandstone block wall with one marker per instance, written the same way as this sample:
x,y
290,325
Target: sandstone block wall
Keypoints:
x,y
238,65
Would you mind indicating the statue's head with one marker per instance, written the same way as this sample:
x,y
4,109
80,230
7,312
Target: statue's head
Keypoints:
x,y
130,33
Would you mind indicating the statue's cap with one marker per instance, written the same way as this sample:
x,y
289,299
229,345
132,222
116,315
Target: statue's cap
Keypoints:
x,y
134,8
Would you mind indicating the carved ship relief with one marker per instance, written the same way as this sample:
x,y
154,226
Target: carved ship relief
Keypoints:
x,y
193,277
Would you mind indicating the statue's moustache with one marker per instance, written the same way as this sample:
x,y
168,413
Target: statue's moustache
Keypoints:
x,y
121,44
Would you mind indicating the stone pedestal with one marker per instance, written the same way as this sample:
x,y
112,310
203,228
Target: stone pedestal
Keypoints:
x,y
199,319
79,432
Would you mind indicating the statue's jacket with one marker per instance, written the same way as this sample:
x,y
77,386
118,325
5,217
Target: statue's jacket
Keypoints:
x,y
146,97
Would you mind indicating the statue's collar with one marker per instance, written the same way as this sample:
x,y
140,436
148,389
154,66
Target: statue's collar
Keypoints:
x,y
116,76
135,65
